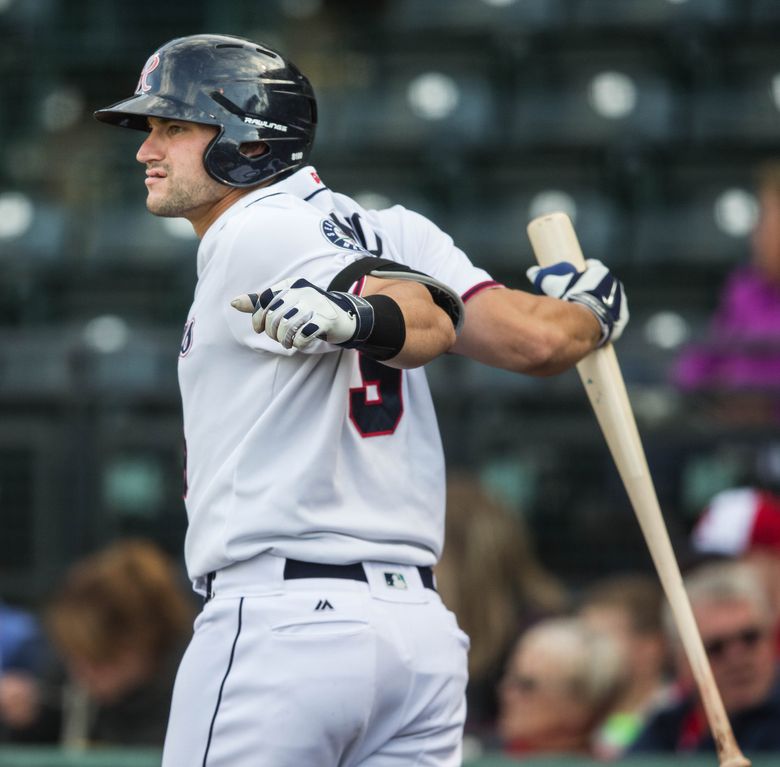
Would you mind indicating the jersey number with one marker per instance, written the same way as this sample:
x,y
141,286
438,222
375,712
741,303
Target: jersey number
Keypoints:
x,y
376,407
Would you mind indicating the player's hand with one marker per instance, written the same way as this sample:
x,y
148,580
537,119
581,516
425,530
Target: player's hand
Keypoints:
x,y
596,288
294,312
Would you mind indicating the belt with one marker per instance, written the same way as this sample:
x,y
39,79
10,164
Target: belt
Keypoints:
x,y
295,569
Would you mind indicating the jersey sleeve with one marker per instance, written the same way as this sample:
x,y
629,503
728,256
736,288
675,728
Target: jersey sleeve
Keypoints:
x,y
273,244
427,248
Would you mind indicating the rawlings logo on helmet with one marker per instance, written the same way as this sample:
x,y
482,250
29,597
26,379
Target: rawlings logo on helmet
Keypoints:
x,y
265,124
143,85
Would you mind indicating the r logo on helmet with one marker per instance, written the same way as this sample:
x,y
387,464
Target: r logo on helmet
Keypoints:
x,y
143,84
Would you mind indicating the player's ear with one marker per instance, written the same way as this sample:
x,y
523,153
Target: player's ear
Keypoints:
x,y
253,148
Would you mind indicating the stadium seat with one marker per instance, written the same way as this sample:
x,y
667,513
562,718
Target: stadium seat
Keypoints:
x,y
470,16
762,12
595,97
413,101
42,236
642,14
738,102
700,215
382,185
154,240
492,227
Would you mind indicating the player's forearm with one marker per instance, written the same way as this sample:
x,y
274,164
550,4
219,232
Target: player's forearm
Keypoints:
x,y
429,331
535,335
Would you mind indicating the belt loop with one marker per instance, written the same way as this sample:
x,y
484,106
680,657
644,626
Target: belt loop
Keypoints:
x,y
210,586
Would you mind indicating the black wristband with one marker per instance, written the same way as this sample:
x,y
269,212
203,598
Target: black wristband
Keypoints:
x,y
388,335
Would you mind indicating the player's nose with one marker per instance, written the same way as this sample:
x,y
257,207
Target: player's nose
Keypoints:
x,y
149,150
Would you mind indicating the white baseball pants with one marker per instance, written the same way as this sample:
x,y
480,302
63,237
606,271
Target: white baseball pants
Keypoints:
x,y
320,672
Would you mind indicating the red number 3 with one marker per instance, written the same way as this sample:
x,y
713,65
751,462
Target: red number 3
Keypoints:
x,y
376,407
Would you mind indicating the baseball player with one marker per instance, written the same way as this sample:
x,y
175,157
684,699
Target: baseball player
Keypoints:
x,y
315,476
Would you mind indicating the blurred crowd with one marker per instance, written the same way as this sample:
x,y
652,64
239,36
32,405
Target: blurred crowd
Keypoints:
x,y
600,671
96,665
596,671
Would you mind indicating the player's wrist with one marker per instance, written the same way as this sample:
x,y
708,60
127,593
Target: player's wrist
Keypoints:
x,y
597,309
380,331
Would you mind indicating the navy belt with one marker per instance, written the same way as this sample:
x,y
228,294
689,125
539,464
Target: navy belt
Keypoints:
x,y
295,569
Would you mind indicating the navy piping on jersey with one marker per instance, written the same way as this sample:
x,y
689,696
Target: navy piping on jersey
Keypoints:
x,y
314,194
224,679
264,197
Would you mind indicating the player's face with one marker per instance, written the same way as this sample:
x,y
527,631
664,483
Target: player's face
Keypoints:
x,y
176,181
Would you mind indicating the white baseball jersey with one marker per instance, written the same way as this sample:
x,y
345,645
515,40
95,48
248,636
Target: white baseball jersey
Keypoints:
x,y
325,456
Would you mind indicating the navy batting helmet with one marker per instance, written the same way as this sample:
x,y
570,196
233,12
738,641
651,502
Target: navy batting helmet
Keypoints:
x,y
250,92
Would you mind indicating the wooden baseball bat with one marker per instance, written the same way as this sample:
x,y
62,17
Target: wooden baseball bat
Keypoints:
x,y
553,240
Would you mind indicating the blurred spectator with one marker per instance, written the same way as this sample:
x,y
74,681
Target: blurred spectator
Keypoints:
x,y
628,608
490,578
120,622
559,684
21,663
742,352
734,616
744,522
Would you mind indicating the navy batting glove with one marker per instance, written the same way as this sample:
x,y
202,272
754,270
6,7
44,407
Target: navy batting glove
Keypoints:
x,y
296,312
596,288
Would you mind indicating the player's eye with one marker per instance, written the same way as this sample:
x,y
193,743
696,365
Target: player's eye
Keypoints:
x,y
175,130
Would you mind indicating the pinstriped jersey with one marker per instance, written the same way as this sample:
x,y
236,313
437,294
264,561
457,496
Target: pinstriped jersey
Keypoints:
x,y
322,455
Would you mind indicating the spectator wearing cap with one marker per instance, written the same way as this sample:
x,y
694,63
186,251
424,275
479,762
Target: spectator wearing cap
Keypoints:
x,y
744,523
734,617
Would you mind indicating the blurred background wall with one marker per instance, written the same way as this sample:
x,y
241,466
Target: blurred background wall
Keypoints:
x,y
644,119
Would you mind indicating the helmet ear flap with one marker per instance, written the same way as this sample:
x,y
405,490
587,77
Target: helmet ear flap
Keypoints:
x,y
225,162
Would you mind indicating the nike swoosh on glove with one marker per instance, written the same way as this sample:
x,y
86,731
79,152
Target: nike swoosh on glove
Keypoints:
x,y
294,312
596,288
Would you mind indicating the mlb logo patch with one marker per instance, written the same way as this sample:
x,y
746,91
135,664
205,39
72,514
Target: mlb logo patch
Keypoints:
x,y
395,581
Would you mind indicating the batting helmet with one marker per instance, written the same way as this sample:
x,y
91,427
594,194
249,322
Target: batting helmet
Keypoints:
x,y
250,92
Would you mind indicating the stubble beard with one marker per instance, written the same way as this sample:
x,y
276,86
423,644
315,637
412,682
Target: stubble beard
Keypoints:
x,y
183,198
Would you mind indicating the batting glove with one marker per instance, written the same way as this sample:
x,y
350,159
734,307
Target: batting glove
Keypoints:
x,y
296,312
596,288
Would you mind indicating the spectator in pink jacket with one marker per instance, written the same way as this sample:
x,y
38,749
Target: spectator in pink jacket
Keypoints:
x,y
742,350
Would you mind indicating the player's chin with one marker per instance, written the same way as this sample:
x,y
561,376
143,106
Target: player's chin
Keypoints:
x,y
160,206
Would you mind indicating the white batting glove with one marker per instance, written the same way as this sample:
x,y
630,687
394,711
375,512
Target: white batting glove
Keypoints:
x,y
596,288
294,312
